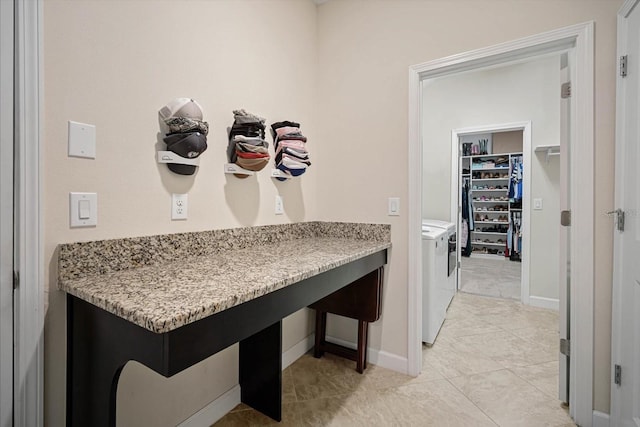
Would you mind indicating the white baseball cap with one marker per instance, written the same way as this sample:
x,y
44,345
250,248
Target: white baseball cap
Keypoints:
x,y
181,107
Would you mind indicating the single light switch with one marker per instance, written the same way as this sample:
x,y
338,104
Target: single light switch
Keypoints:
x,y
394,206
82,140
537,204
83,209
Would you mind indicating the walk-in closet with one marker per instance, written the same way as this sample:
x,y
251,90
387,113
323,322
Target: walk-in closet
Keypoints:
x,y
491,179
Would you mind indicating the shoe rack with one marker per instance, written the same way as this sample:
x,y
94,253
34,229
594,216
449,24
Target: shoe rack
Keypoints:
x,y
488,177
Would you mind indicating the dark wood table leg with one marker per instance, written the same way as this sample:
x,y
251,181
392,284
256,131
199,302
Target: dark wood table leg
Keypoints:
x,y
261,371
321,331
99,345
363,333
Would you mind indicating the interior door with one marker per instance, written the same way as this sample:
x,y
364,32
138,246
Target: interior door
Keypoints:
x,y
625,391
6,213
565,231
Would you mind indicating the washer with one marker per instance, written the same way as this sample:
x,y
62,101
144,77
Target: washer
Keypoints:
x,y
435,295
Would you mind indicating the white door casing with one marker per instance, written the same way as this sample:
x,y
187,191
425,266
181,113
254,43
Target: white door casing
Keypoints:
x,y
580,37
6,213
625,348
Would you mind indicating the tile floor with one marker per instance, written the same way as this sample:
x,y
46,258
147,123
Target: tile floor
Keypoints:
x,y
498,278
493,364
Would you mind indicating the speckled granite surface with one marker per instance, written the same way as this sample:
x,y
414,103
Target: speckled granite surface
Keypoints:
x,y
166,281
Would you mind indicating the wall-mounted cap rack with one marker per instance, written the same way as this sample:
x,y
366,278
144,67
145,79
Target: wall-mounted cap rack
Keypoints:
x,y
171,157
235,169
281,176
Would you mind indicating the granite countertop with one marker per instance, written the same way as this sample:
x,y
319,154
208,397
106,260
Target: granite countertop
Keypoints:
x,y
163,282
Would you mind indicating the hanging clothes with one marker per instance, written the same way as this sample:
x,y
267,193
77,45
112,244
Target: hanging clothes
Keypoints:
x,y
467,220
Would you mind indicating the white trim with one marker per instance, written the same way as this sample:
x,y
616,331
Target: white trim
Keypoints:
x,y
525,127
620,141
377,357
544,302
215,410
579,37
297,351
6,213
29,296
600,419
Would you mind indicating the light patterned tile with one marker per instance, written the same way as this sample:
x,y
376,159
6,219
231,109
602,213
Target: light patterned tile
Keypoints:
x,y
543,376
434,403
511,401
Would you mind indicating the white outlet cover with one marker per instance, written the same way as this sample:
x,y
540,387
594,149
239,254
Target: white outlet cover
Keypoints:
x,y
537,204
179,206
279,210
82,140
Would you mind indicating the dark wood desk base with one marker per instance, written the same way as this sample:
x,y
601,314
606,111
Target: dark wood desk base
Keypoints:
x,y
361,300
99,345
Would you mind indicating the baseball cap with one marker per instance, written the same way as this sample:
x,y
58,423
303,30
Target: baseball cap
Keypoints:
x,y
181,107
188,145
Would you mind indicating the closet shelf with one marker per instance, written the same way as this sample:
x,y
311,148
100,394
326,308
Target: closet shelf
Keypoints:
x,y
550,150
489,243
503,168
506,178
491,201
491,222
489,232
493,189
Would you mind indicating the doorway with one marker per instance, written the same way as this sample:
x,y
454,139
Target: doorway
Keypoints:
x,y
579,39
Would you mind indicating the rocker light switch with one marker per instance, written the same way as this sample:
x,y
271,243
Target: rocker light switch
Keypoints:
x,y
83,209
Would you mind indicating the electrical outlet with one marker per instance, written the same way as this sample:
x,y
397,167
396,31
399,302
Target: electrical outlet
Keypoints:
x,y
537,204
179,205
279,205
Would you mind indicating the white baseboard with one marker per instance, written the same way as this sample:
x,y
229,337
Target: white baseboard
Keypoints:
x,y
214,410
543,302
377,357
600,419
295,352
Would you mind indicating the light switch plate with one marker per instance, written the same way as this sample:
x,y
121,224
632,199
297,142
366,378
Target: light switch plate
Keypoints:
x,y
82,140
537,204
83,209
394,206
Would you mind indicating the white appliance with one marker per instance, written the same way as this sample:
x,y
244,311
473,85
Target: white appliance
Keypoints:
x,y
434,279
439,275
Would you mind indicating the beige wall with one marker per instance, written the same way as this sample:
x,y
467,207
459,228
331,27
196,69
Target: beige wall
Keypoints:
x,y
115,64
508,94
507,142
365,49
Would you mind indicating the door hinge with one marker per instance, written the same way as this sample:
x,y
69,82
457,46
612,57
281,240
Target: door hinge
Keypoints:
x,y
619,213
565,347
565,218
565,90
16,280
617,374
623,66
459,265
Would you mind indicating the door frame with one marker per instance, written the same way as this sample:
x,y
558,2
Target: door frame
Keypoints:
x,y
6,213
580,38
28,231
616,300
525,127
